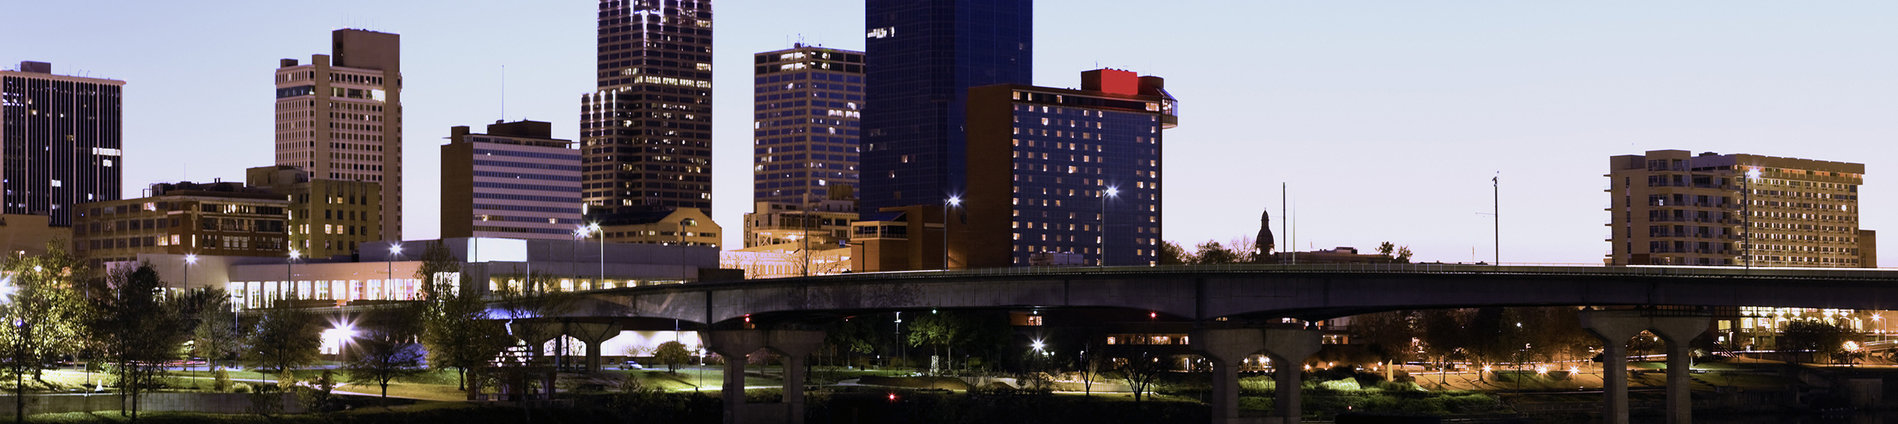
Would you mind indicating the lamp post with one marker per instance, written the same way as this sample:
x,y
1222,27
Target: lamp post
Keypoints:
x,y
594,228
1746,218
394,251
579,235
954,201
190,259
1110,192
289,273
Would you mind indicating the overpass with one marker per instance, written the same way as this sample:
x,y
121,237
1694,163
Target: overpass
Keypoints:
x,y
1218,298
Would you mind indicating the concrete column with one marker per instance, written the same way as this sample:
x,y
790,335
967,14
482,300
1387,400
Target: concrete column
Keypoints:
x,y
535,334
735,346
1615,328
1289,348
594,335
1679,332
1225,348
796,345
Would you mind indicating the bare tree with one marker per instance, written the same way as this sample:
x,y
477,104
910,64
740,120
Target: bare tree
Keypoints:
x,y
1140,371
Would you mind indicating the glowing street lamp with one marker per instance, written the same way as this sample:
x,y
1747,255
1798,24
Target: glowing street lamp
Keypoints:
x,y
953,202
1111,192
1746,218
395,249
594,228
190,259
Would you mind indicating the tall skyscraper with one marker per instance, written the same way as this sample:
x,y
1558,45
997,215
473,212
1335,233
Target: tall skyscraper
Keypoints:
x,y
1671,207
1068,177
516,181
806,105
646,133
922,57
340,117
59,141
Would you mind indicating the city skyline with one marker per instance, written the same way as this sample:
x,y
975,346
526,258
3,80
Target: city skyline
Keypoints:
x,y
1386,119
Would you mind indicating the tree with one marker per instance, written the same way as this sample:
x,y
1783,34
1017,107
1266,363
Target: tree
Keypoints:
x,y
1443,337
1211,252
456,328
214,332
1088,368
386,350
937,331
1140,371
285,338
1814,339
1398,254
1389,335
673,354
140,332
1172,254
44,306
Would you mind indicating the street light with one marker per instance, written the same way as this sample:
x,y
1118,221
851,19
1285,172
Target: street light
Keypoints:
x,y
594,228
1746,218
394,251
190,259
953,202
289,274
1111,192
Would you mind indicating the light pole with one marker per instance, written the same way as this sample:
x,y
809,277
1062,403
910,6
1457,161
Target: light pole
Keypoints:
x,y
579,235
954,201
594,228
394,251
190,259
1746,218
1110,192
289,274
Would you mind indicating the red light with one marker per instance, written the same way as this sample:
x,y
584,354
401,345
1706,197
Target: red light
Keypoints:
x,y
747,318
892,397
1153,315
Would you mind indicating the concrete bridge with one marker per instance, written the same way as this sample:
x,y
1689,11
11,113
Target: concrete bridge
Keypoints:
x,y
1216,297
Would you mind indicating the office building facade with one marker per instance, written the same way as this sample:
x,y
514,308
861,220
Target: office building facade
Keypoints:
x,y
60,141
515,181
224,219
328,218
806,105
1065,173
340,117
921,57
1672,207
646,131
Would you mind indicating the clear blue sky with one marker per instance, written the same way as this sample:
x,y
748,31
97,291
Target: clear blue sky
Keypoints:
x,y
1387,118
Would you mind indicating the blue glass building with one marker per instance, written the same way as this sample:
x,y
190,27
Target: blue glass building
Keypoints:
x,y
922,58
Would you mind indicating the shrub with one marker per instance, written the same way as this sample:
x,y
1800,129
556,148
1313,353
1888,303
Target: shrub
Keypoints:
x,y
1341,385
221,380
240,388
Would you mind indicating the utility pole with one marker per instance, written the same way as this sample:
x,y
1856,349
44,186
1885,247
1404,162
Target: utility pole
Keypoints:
x,y
1496,191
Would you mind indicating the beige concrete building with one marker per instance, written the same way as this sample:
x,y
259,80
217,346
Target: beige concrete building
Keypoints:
x,y
821,225
678,227
328,218
1671,207
340,117
28,234
223,219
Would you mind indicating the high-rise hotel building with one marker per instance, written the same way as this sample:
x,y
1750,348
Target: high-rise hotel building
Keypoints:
x,y
516,181
1067,176
340,117
921,57
1672,207
59,141
646,132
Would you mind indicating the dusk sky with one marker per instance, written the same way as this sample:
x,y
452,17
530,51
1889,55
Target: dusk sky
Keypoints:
x,y
1386,118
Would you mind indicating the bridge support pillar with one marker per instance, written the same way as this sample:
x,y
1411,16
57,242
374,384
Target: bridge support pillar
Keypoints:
x,y
593,334
736,346
1225,348
796,345
1615,328
1289,348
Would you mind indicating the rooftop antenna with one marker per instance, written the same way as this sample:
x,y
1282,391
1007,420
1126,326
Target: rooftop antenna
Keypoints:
x,y
504,92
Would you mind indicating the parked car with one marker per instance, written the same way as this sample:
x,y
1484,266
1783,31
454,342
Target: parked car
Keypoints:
x,y
631,365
